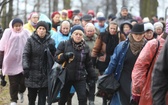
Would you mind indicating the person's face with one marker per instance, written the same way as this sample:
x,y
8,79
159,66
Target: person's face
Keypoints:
x,y
65,28
158,30
34,19
85,22
17,27
126,28
90,31
76,20
112,29
149,34
101,23
64,15
138,37
41,31
56,18
124,12
77,36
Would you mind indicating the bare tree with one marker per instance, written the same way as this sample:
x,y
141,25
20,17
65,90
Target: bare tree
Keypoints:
x,y
107,7
38,5
2,4
55,5
49,8
124,3
4,23
25,12
114,6
66,4
148,8
17,8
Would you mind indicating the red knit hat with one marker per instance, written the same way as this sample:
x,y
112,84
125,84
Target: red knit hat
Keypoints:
x,y
70,14
91,12
54,13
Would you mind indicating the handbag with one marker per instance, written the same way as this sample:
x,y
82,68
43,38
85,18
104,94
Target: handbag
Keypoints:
x,y
107,85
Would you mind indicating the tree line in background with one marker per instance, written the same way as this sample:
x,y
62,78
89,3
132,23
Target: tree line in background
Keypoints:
x,y
8,10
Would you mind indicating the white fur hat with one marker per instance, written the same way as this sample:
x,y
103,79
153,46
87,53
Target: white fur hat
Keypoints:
x,y
148,26
145,19
158,24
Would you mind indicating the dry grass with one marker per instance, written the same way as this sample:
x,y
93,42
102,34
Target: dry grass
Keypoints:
x,y
4,94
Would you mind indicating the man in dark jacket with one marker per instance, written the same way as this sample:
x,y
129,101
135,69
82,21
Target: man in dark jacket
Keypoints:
x,y
160,79
34,63
123,16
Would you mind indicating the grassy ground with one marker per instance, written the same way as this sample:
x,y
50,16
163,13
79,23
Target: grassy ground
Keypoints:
x,y
4,94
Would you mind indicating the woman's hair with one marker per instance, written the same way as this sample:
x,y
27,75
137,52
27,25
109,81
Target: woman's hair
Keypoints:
x,y
114,23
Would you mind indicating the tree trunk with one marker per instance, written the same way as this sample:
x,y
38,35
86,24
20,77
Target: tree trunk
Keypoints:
x,y
10,12
148,8
107,8
49,8
38,5
55,5
25,12
4,23
82,5
114,6
67,4
124,3
17,8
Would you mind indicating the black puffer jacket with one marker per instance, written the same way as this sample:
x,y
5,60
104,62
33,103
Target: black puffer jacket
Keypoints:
x,y
81,66
34,60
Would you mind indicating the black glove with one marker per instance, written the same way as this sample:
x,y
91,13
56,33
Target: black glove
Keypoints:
x,y
94,61
26,73
68,55
3,82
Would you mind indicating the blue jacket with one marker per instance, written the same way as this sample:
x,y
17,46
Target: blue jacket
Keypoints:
x,y
116,64
58,37
101,29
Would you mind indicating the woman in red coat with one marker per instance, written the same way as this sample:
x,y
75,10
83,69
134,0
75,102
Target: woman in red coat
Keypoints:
x,y
141,74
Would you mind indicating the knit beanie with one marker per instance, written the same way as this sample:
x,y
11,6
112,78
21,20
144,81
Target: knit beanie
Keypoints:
x,y
148,26
42,23
77,27
158,24
17,20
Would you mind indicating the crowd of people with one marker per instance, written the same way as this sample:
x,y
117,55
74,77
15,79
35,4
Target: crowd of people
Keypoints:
x,y
88,46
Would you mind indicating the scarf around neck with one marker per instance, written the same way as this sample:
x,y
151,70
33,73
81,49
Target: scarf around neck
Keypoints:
x,y
135,46
78,46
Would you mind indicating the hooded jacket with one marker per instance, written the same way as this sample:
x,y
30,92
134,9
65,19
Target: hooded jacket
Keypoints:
x,y
12,43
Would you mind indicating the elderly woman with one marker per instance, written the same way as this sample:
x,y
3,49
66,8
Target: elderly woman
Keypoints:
x,y
122,62
34,64
76,54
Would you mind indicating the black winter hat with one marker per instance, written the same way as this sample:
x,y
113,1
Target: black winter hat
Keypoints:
x,y
87,17
138,29
42,23
16,20
77,27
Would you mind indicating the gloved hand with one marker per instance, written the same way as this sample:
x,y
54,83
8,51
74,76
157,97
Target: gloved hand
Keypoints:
x,y
3,82
26,73
135,100
68,55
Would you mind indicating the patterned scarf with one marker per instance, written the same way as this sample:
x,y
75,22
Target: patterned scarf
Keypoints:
x,y
135,46
78,46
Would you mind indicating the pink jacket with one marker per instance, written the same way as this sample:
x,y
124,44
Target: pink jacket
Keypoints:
x,y
141,85
12,43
